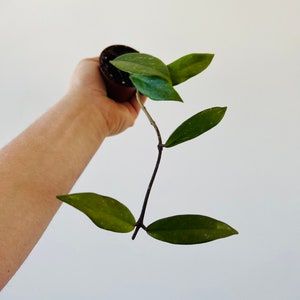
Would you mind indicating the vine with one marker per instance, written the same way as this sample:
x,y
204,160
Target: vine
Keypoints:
x,y
156,80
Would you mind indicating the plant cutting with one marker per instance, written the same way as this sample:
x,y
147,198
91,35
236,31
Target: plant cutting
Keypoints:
x,y
127,71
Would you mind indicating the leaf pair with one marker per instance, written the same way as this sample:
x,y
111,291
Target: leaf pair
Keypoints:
x,y
108,213
155,79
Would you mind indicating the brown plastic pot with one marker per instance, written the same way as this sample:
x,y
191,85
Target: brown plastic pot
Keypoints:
x,y
118,84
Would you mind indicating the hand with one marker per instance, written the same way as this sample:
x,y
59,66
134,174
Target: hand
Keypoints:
x,y
87,82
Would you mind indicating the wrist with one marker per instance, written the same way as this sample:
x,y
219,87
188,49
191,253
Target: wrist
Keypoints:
x,y
85,110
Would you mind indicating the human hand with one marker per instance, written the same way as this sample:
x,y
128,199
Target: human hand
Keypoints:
x,y
87,82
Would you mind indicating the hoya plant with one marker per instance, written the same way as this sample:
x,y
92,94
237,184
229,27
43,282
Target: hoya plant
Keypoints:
x,y
148,75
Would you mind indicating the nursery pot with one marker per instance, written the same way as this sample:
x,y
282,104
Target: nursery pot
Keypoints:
x,y
118,85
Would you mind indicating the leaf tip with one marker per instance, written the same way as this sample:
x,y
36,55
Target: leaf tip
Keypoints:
x,y
60,197
234,231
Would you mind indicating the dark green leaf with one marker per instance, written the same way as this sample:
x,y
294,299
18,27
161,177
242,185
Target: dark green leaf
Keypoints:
x,y
196,125
155,88
189,229
107,213
189,66
142,64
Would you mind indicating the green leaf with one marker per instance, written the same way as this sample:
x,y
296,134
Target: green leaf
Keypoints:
x,y
155,88
196,125
107,213
189,229
189,66
142,64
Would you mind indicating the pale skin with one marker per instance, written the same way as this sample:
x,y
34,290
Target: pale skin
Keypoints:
x,y
49,156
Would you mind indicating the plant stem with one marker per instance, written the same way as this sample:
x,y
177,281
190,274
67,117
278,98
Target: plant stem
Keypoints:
x,y
140,222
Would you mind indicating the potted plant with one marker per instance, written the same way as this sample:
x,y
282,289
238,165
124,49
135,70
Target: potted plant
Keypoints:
x,y
118,83
125,72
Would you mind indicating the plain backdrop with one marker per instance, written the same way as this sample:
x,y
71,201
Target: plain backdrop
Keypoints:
x,y
244,172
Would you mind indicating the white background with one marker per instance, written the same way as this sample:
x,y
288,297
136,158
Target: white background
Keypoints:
x,y
244,172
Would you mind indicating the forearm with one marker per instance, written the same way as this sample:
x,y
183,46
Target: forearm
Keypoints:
x,y
42,162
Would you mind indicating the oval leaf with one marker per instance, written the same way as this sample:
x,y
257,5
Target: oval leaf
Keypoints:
x,y
196,125
189,229
142,64
107,213
189,66
155,88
